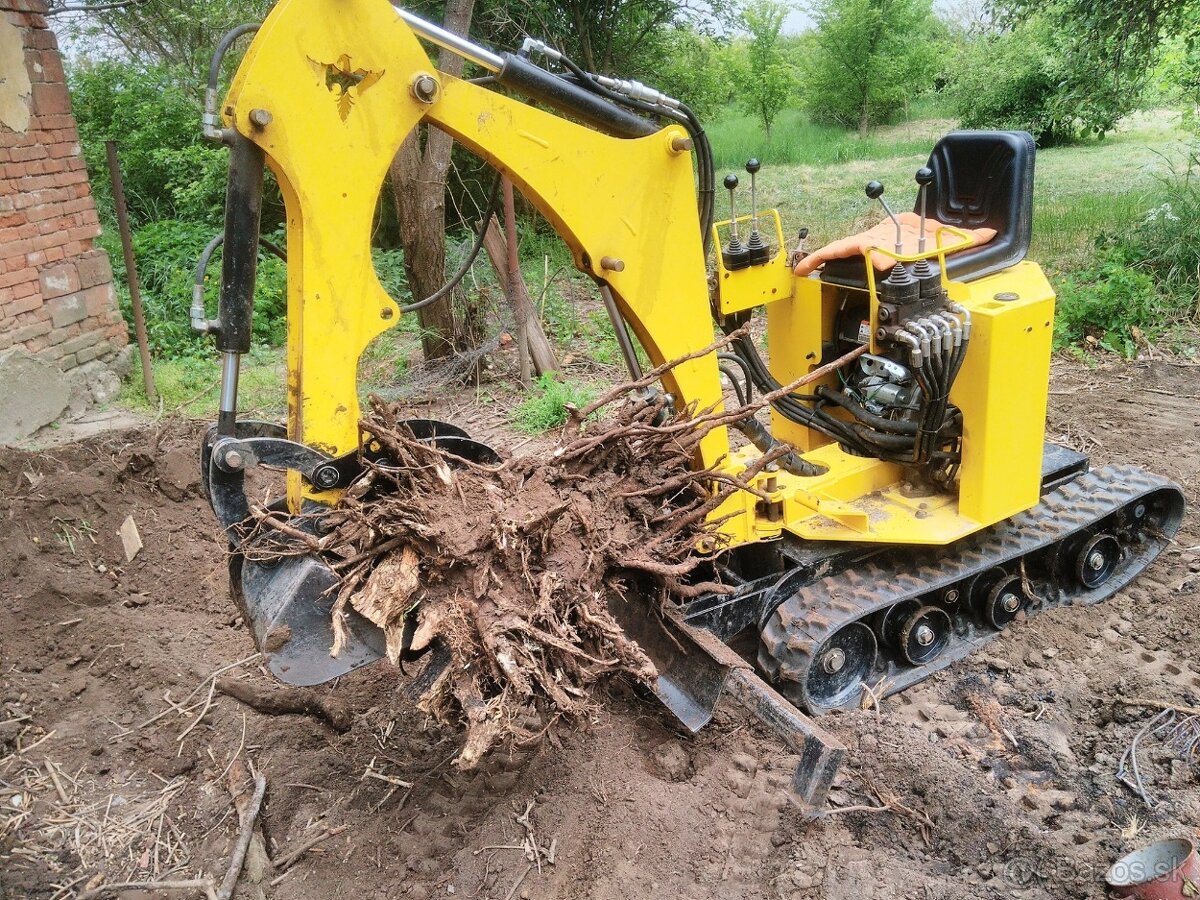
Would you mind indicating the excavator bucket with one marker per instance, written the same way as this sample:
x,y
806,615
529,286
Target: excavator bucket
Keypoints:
x,y
287,595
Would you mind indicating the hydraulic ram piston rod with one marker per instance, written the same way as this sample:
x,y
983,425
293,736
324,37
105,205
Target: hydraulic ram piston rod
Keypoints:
x,y
447,40
517,73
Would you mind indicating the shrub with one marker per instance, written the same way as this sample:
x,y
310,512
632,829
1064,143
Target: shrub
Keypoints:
x,y
167,253
1107,302
168,169
1146,280
546,408
1036,79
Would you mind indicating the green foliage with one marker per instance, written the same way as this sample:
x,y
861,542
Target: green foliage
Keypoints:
x,y
547,407
768,80
180,35
1030,79
630,38
1145,279
695,68
796,140
167,253
1177,77
1106,302
169,172
1066,68
869,59
1167,240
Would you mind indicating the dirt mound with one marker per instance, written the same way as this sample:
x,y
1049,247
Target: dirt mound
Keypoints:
x,y
999,774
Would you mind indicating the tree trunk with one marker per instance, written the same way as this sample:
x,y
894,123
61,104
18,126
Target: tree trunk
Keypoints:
x,y
541,352
419,192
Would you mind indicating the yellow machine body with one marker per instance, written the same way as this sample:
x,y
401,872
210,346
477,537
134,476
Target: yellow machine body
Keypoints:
x,y
336,76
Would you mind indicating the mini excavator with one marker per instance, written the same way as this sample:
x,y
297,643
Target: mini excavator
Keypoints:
x,y
918,510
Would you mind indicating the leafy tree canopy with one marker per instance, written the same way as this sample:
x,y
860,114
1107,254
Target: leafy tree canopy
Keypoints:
x,y
870,58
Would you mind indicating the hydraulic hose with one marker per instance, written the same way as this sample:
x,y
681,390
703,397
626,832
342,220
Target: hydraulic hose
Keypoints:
x,y
461,273
211,121
865,416
199,320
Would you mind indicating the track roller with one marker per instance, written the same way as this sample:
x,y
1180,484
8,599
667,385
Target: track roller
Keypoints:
x,y
998,597
1097,560
925,634
839,667
890,622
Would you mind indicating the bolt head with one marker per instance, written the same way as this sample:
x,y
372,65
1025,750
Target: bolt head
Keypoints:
x,y
833,661
1096,561
326,476
425,87
234,459
260,117
1139,511
952,595
1010,602
925,635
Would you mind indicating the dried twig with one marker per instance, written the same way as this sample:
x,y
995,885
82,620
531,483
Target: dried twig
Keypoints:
x,y
239,851
204,712
285,862
1159,704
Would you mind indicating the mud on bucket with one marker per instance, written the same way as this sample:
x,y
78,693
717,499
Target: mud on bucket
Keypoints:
x,y
1166,870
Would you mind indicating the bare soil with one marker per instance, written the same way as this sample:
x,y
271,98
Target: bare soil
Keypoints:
x,y
999,773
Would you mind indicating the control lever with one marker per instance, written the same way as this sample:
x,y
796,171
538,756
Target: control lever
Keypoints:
x,y
735,255
759,251
874,191
927,274
924,179
801,251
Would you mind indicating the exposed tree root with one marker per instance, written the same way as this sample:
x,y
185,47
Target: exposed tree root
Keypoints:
x,y
511,566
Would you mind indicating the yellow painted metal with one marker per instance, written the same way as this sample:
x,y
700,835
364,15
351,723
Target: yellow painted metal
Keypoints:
x,y
1002,391
796,330
335,78
744,289
335,75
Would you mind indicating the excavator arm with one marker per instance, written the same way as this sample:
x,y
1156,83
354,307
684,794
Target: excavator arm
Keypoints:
x,y
330,89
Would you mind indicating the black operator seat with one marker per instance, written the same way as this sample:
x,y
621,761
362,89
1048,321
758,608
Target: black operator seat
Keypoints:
x,y
982,179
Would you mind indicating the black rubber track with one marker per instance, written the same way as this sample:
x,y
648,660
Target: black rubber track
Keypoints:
x,y
1039,545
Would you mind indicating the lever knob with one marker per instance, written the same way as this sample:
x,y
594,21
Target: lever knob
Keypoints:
x,y
924,176
752,166
874,190
731,182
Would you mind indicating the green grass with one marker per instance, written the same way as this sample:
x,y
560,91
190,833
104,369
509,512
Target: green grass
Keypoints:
x,y
191,386
794,140
546,407
1080,192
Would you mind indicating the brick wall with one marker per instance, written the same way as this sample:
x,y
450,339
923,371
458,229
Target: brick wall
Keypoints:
x,y
56,294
